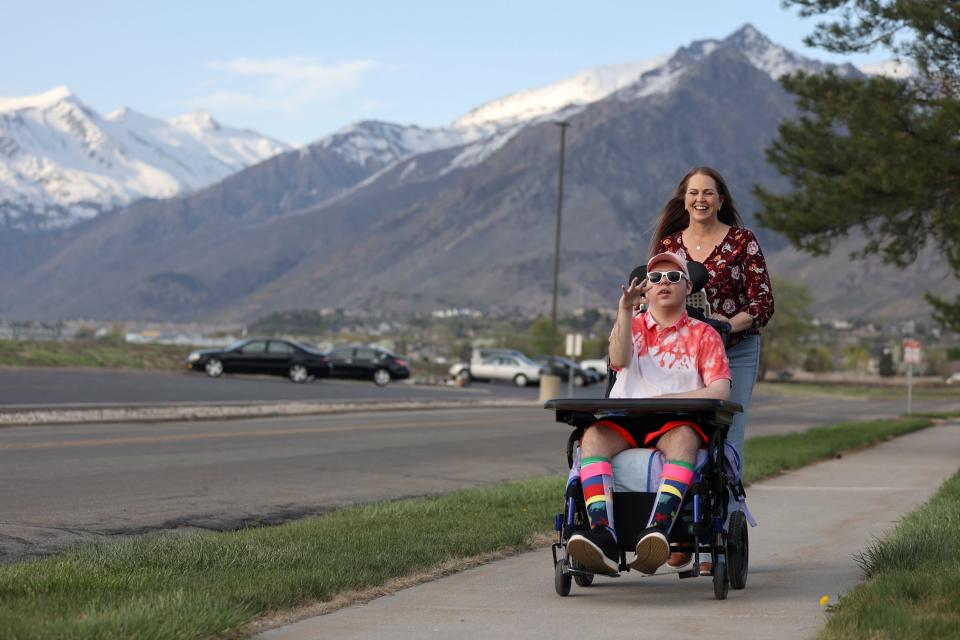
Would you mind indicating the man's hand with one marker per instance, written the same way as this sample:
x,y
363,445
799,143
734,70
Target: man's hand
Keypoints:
x,y
620,337
634,294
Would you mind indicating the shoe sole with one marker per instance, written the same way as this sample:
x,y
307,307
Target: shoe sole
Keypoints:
x,y
652,553
591,556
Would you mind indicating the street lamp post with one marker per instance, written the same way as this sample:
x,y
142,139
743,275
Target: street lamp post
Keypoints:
x,y
556,253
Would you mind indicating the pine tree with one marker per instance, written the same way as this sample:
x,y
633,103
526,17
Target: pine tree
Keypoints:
x,y
877,154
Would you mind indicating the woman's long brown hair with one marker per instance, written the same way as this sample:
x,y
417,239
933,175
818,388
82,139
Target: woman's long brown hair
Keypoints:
x,y
674,217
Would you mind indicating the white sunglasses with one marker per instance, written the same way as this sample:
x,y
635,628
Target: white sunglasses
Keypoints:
x,y
673,277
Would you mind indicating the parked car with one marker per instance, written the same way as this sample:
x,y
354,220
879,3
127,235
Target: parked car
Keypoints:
x,y
512,366
563,366
368,363
597,365
479,353
953,378
264,356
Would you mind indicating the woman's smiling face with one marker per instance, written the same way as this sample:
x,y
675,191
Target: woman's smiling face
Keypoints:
x,y
701,198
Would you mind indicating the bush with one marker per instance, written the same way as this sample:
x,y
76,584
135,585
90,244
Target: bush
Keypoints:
x,y
856,359
935,364
818,360
887,367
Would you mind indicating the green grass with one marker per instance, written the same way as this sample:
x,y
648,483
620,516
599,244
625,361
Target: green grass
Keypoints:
x,y
869,392
914,578
204,585
190,586
941,415
91,353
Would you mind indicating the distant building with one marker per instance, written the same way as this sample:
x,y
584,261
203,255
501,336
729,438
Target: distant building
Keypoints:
x,y
32,330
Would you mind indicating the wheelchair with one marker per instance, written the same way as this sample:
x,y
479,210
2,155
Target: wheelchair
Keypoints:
x,y
702,524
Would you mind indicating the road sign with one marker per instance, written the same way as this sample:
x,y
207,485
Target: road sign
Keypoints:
x,y
574,345
911,351
911,356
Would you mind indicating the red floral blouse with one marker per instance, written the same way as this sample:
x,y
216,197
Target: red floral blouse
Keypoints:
x,y
738,281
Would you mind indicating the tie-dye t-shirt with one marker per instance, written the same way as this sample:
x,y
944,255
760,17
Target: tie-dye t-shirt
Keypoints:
x,y
685,357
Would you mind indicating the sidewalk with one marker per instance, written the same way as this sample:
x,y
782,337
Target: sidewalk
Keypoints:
x,y
812,523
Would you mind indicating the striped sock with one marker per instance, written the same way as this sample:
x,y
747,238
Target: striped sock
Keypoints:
x,y
596,476
677,477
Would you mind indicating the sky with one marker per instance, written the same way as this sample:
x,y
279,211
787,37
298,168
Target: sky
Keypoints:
x,y
298,71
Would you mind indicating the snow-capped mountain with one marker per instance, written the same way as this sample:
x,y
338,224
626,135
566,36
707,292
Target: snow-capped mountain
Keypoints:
x,y
383,214
585,87
485,129
378,144
896,69
61,162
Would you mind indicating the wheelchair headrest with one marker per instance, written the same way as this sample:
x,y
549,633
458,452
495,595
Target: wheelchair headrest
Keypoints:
x,y
698,274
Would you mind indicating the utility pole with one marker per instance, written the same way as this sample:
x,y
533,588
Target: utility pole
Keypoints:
x,y
556,254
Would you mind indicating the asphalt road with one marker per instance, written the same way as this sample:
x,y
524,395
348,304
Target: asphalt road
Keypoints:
x,y
52,388
46,388
69,483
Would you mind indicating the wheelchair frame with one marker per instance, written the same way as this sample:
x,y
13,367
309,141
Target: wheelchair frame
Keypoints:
x,y
701,521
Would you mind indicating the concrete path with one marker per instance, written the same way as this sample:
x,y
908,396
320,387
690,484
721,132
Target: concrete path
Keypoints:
x,y
812,523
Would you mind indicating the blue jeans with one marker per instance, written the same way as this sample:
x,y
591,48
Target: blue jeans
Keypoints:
x,y
744,360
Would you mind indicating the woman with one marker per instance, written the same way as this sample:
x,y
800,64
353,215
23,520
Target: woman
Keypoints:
x,y
701,223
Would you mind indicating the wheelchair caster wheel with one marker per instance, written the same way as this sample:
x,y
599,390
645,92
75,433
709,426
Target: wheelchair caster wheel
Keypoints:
x,y
580,579
720,583
561,579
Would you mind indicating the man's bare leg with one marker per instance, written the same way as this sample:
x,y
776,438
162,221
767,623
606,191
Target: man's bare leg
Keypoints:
x,y
600,441
681,443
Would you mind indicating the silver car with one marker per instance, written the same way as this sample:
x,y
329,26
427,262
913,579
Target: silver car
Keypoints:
x,y
514,367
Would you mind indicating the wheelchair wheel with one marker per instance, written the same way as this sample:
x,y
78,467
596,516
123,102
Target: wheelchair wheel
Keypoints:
x,y
720,584
581,580
738,550
572,441
584,581
561,579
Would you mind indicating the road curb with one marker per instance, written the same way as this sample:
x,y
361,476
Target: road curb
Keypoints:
x,y
224,412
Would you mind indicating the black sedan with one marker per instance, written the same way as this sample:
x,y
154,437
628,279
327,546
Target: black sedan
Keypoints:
x,y
563,367
295,360
368,363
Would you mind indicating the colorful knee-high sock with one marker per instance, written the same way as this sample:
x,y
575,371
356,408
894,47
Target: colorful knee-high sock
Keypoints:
x,y
677,477
596,476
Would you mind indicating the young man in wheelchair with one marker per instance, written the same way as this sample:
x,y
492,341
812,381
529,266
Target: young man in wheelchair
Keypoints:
x,y
663,353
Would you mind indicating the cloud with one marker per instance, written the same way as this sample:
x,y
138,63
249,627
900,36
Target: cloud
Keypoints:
x,y
282,84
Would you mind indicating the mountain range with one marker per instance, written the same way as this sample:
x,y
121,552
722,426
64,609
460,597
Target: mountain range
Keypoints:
x,y
388,216
62,162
